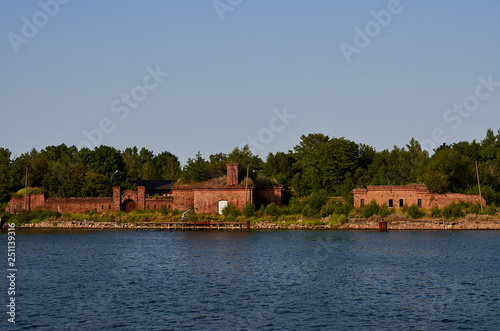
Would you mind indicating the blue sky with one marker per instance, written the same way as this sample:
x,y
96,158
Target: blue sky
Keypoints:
x,y
234,65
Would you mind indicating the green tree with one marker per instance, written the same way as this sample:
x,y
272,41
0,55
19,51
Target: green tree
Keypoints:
x,y
245,158
196,170
449,171
95,185
280,166
167,166
72,182
323,163
132,163
217,165
5,174
107,161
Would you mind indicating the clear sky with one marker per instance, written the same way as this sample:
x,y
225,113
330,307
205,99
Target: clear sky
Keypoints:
x,y
188,76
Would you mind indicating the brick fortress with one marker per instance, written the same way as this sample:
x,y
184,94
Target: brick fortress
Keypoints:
x,y
206,197
396,196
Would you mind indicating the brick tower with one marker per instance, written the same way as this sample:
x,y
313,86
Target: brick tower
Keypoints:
x,y
232,174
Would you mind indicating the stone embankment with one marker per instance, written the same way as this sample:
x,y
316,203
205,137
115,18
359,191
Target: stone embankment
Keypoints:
x,y
394,223
467,223
53,224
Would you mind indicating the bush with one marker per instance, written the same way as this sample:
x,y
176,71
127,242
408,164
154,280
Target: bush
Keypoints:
x,y
25,216
295,206
30,190
317,200
453,210
307,211
337,219
335,207
231,212
414,212
435,211
384,211
490,209
474,209
370,209
249,209
272,209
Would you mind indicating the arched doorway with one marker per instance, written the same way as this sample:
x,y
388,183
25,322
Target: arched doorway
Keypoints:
x,y
221,205
128,205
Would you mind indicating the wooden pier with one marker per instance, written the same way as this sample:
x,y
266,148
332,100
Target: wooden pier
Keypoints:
x,y
196,226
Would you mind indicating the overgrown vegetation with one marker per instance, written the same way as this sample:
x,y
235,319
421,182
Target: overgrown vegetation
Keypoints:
x,y
317,169
37,216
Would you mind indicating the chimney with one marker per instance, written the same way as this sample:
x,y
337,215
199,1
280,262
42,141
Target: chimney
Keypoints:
x,y
232,174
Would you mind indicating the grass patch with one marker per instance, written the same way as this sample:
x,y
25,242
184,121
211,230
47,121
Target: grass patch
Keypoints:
x,y
36,216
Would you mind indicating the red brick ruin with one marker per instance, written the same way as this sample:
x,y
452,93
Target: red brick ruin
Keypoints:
x,y
396,196
205,198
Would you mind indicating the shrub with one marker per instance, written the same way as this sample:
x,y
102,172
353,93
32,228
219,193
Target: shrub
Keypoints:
x,y
337,219
164,210
335,207
231,212
272,209
453,210
474,209
435,211
370,209
307,211
414,212
30,190
25,216
317,200
490,209
384,211
249,209
295,206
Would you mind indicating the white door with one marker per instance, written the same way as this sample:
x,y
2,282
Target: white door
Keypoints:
x,y
222,205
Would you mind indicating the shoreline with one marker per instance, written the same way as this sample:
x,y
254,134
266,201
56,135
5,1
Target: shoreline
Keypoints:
x,y
371,224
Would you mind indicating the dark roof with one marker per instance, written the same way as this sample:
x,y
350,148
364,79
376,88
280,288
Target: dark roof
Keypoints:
x,y
160,185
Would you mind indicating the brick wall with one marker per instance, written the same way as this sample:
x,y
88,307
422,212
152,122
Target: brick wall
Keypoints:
x,y
79,205
183,198
156,204
33,202
268,195
443,200
408,194
206,199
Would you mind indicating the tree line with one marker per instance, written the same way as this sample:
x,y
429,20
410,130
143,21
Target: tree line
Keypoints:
x,y
319,163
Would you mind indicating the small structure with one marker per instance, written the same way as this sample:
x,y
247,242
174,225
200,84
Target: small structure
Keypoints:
x,y
396,196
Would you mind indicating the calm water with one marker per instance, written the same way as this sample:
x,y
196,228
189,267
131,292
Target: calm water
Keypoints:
x,y
128,280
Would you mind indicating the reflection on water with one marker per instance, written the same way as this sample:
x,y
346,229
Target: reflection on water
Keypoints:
x,y
92,280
